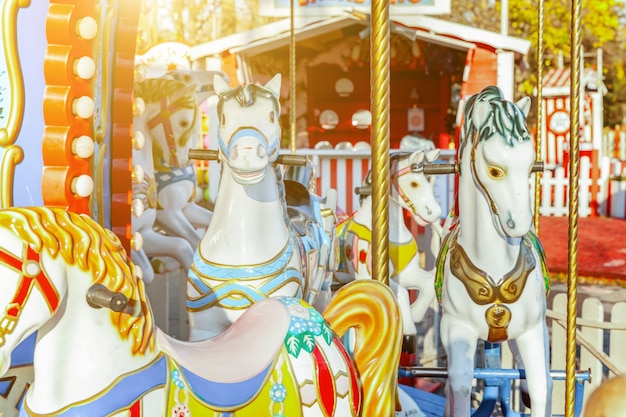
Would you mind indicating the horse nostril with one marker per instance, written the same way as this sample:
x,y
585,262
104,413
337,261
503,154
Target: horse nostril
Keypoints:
x,y
510,224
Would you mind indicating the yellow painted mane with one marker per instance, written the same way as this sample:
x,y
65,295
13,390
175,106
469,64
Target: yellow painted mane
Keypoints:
x,y
82,242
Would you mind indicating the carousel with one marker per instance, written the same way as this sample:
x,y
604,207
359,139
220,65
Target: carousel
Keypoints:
x,y
290,311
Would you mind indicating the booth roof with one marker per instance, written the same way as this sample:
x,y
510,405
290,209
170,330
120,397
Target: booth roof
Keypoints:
x,y
277,34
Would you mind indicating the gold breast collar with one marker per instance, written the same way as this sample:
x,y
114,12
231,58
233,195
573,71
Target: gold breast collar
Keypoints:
x,y
482,289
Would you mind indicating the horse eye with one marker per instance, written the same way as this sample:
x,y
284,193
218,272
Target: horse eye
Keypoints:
x,y
272,116
496,172
184,123
223,119
414,184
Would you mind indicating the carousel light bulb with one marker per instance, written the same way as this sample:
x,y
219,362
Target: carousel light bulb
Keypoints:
x,y
85,67
82,185
83,147
138,272
87,28
139,140
138,174
137,208
83,107
140,73
136,242
139,106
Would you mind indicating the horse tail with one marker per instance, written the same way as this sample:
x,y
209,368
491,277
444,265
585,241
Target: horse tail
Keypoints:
x,y
370,307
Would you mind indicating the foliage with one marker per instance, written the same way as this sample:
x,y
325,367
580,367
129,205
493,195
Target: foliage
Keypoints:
x,y
197,21
602,24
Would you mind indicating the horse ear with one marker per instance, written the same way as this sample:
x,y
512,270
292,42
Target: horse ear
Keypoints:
x,y
524,105
274,85
219,85
417,157
432,155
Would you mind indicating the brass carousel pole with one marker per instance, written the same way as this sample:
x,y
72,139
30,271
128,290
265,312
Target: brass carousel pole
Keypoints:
x,y
379,96
572,267
539,134
292,81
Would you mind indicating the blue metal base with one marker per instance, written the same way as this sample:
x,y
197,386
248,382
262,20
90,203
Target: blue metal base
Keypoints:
x,y
497,388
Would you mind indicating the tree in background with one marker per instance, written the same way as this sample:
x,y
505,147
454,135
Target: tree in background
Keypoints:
x,y
197,21
603,27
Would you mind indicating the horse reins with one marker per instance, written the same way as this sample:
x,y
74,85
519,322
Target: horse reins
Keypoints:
x,y
163,118
395,175
31,275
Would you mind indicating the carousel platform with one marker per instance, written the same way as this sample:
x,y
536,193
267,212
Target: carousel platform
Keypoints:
x,y
601,249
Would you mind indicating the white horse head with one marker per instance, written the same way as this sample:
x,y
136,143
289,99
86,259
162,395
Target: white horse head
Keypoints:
x,y
497,152
249,132
171,116
411,188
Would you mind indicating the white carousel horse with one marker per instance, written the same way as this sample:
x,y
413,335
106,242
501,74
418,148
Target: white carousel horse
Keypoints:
x,y
172,122
491,273
98,352
251,250
154,243
410,190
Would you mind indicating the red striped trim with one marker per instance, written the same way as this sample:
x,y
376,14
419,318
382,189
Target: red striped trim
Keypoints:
x,y
354,380
135,409
325,383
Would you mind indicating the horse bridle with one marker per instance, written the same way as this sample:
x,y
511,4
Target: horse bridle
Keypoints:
x,y
395,176
247,131
237,94
163,118
31,275
494,207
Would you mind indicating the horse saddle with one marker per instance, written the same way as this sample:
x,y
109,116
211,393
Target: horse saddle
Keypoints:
x,y
230,369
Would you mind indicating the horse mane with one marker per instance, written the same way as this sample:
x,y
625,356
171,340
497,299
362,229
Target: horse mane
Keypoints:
x,y
82,242
152,90
505,118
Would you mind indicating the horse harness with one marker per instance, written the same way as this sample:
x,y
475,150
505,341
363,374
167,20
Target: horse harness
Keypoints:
x,y
163,118
400,254
218,285
395,176
31,274
480,285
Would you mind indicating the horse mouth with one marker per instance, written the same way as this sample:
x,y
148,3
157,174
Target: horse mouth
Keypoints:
x,y
420,220
249,177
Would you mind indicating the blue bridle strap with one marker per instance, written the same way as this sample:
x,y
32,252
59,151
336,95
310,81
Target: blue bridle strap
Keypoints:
x,y
270,147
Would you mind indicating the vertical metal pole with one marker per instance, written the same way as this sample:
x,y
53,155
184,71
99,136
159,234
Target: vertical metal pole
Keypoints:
x,y
292,81
379,75
539,135
574,167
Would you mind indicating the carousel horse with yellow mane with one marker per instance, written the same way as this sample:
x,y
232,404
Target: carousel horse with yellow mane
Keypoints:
x,y
492,277
98,352
153,244
170,124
